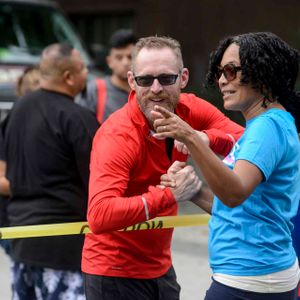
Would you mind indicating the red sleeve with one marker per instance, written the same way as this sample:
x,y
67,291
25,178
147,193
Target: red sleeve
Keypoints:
x,y
221,131
110,167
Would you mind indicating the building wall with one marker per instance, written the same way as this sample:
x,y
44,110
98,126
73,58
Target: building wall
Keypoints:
x,y
199,24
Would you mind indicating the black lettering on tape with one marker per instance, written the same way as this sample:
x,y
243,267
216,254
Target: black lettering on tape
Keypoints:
x,y
83,227
139,226
159,225
129,228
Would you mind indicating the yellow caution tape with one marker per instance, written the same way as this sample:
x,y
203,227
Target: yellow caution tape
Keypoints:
x,y
83,228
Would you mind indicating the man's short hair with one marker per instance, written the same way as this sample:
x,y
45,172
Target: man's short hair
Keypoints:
x,y
122,38
158,42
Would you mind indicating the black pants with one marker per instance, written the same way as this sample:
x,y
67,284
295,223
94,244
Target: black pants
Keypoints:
x,y
118,288
219,291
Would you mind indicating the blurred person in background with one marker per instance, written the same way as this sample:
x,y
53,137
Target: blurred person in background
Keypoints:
x,y
47,148
256,187
104,96
28,81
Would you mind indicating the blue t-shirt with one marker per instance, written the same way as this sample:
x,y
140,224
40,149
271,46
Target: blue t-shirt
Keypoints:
x,y
254,238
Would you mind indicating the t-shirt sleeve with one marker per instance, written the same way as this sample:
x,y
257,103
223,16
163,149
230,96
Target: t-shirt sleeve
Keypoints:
x,y
263,145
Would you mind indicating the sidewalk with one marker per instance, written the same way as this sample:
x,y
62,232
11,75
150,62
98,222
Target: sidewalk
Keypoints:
x,y
5,292
190,259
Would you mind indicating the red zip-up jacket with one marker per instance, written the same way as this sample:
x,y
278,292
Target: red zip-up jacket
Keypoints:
x,y
126,165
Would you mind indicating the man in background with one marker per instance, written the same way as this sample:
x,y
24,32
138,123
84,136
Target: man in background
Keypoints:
x,y
47,148
104,96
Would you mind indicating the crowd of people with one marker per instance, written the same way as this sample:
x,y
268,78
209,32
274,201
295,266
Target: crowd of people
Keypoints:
x,y
114,150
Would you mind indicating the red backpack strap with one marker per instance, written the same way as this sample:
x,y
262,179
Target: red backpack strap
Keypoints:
x,y
101,90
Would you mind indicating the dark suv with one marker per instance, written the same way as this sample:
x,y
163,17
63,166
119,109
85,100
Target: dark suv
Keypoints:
x,y
26,28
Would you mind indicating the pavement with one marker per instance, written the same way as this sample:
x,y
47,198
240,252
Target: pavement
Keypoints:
x,y
5,293
190,259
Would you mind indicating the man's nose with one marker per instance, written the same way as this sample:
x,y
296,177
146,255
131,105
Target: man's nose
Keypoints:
x,y
156,87
126,61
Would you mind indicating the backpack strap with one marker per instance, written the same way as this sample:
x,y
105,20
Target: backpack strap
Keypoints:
x,y
101,91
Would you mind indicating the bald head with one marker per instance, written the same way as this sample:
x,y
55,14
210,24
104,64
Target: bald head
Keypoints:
x,y
62,69
56,58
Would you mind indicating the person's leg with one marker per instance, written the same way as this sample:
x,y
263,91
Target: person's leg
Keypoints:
x,y
22,282
53,284
117,288
6,245
219,291
169,289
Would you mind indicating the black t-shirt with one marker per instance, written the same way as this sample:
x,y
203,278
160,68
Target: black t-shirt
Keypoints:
x,y
3,199
47,147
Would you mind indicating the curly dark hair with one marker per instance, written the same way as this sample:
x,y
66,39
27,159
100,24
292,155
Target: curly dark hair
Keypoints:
x,y
268,63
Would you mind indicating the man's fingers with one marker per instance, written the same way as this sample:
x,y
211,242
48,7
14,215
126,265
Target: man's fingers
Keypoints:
x,y
188,170
171,184
163,111
187,184
181,147
185,175
162,187
176,166
167,180
199,185
156,115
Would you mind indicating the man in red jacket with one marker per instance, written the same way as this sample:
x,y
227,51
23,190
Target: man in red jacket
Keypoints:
x,y
125,169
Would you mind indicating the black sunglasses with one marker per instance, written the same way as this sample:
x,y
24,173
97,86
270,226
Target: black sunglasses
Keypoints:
x,y
229,72
163,79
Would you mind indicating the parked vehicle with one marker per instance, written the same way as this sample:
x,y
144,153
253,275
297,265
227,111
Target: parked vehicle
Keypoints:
x,y
26,28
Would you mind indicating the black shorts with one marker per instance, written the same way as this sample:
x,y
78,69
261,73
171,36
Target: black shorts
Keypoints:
x,y
118,288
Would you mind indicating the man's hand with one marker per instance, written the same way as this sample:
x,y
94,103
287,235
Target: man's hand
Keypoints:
x,y
168,180
182,180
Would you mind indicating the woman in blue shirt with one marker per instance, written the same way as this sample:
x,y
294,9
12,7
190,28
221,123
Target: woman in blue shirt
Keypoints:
x,y
257,186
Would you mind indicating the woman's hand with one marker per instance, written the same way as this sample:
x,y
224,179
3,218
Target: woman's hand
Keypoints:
x,y
181,147
168,124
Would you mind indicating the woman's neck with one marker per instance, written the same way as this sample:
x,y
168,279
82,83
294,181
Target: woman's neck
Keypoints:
x,y
259,108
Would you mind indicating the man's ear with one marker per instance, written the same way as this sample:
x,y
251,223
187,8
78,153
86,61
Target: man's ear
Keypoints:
x,y
68,77
184,78
130,78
